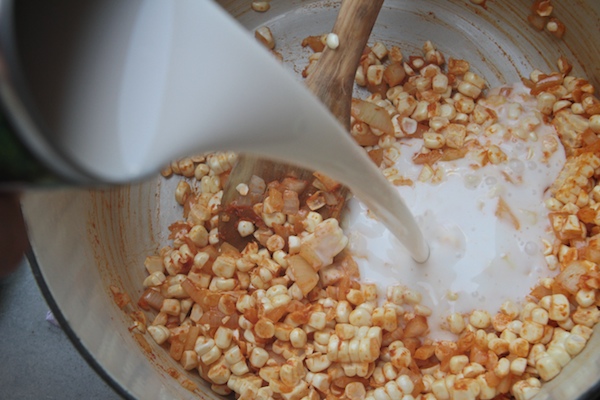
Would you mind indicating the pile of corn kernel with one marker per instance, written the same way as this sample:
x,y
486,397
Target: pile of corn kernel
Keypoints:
x,y
287,317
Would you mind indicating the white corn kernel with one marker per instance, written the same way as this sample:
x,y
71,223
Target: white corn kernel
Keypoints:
x,y
261,6
558,306
360,317
223,337
212,355
171,307
155,279
182,191
245,228
159,333
532,331
332,41
574,344
559,354
480,319
547,367
433,140
258,357
502,369
154,264
586,298
317,362
224,266
468,89
456,323
264,35
526,389
298,338
518,366
189,360
457,363
594,123
240,368
203,345
317,320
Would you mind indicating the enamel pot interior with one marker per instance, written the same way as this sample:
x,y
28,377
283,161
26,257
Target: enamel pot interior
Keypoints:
x,y
85,241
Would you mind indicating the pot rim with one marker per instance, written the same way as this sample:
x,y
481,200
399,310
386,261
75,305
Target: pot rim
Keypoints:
x,y
66,327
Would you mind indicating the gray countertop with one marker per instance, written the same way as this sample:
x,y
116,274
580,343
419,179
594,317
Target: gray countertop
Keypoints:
x,y
38,360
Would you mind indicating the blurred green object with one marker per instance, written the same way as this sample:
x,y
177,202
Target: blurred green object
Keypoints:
x,y
17,164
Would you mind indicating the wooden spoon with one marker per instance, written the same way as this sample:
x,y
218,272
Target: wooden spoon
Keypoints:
x,y
332,81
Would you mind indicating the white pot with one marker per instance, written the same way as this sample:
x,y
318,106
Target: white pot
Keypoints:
x,y
85,241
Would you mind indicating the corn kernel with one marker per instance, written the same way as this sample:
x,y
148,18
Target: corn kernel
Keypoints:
x,y
360,317
480,319
298,338
159,333
223,337
547,367
518,366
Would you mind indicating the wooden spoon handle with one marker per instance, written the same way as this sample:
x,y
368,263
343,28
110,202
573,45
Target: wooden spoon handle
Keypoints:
x,y
332,80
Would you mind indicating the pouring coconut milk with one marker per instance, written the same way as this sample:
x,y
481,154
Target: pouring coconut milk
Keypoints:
x,y
127,87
